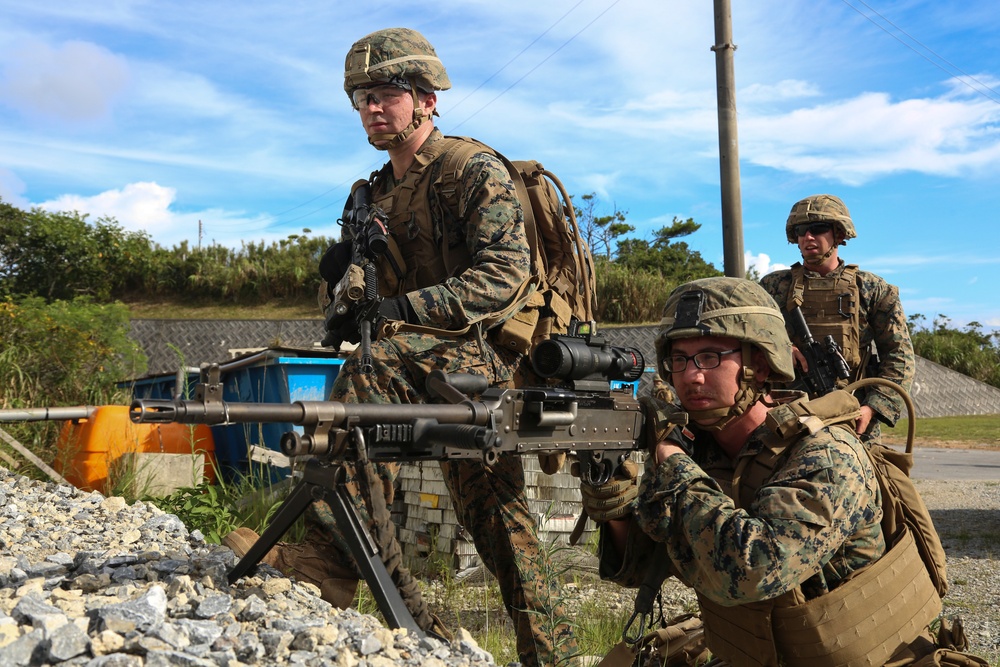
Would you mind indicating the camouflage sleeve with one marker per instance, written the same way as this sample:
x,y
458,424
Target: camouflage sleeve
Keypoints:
x,y
777,284
492,222
887,327
822,498
627,569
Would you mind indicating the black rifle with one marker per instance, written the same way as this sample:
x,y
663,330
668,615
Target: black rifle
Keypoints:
x,y
826,362
355,290
584,416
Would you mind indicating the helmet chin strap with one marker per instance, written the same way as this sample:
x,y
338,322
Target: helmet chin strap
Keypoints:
x,y
817,261
748,394
393,140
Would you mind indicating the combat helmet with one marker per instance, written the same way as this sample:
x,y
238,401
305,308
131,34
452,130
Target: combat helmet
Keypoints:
x,y
731,308
821,208
395,55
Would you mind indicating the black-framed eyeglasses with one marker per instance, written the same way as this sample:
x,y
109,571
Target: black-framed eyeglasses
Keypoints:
x,y
385,95
814,228
677,363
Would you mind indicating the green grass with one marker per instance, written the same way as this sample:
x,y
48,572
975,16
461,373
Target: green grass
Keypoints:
x,y
975,430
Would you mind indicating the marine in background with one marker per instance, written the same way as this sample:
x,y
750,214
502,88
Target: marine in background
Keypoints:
x,y
858,308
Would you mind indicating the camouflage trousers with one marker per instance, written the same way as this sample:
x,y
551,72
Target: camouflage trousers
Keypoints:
x,y
490,501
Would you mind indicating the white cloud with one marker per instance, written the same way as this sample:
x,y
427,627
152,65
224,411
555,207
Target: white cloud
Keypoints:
x,y
789,89
146,207
75,82
858,139
762,263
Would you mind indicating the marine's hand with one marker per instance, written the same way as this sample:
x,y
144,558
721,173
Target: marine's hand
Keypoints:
x,y
613,499
800,359
864,421
340,328
660,418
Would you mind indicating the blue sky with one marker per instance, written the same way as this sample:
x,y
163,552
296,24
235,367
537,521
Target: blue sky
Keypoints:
x,y
164,114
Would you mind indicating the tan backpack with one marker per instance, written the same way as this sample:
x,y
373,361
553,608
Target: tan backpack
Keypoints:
x,y
560,257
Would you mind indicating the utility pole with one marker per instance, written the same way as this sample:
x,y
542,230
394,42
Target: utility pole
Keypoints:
x,y
200,231
729,153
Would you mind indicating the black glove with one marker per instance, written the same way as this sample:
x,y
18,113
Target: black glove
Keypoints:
x,y
334,262
340,328
397,308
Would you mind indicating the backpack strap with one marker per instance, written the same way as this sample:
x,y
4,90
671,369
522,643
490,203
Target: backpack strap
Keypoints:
x,y
787,422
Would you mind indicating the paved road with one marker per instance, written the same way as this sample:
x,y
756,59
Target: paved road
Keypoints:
x,y
955,464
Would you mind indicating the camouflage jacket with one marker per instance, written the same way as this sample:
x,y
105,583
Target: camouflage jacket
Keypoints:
x,y
811,524
489,222
886,326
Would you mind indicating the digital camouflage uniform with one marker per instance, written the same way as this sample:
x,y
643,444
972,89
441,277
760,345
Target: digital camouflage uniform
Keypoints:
x,y
811,525
785,534
490,501
881,309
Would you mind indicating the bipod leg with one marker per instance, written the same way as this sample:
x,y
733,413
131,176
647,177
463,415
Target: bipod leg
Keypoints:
x,y
291,509
366,555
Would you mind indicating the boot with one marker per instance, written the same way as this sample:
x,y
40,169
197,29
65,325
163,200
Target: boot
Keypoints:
x,y
308,562
339,592
240,541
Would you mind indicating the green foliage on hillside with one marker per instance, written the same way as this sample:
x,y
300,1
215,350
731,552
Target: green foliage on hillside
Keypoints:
x,y
63,255
970,351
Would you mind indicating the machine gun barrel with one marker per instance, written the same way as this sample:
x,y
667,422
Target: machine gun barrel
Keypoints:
x,y
46,414
301,413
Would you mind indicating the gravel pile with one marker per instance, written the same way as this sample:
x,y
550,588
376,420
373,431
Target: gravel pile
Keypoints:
x,y
89,580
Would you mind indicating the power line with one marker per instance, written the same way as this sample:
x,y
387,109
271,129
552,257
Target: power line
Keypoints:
x,y
518,55
994,97
542,62
483,83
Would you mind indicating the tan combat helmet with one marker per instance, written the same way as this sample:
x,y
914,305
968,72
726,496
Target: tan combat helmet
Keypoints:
x,y
731,308
395,55
821,208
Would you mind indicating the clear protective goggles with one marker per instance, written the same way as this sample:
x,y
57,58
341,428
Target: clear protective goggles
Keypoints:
x,y
381,95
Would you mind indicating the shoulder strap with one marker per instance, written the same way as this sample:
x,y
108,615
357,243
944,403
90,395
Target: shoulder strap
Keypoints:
x,y
795,293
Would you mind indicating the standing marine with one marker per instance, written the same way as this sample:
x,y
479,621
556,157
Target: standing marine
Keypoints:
x,y
858,308
457,266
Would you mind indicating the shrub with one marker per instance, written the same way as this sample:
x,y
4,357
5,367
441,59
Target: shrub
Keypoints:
x,y
63,353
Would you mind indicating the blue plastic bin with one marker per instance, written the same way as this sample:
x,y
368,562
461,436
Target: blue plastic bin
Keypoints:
x,y
163,386
268,378
277,375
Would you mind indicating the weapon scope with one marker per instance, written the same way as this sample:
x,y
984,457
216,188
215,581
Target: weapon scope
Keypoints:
x,y
586,357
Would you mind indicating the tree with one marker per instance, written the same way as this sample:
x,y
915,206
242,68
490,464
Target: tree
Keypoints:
x,y
600,231
673,260
62,255
971,352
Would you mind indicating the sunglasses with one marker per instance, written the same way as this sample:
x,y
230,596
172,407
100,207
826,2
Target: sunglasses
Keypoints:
x,y
814,228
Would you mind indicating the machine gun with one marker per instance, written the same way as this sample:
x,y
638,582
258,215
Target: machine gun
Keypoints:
x,y
579,413
355,287
826,362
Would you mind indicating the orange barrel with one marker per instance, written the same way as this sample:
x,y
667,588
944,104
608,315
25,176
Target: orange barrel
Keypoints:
x,y
87,448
